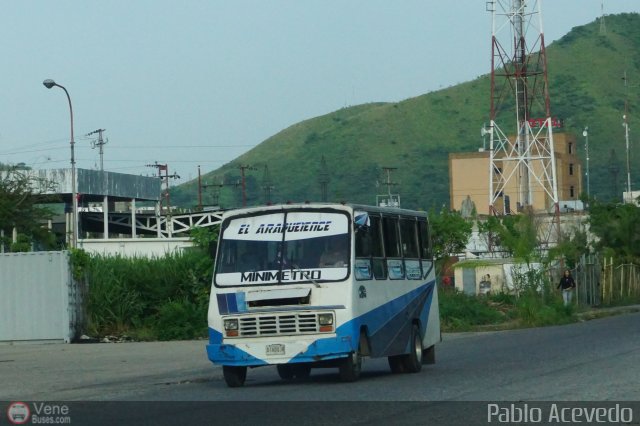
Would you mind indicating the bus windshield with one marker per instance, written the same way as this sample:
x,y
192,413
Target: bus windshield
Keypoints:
x,y
282,248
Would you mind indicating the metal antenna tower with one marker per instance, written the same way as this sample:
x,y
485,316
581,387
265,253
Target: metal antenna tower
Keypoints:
x,y
323,179
521,158
267,185
100,143
603,26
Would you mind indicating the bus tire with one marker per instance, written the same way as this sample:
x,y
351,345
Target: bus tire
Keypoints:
x,y
350,367
302,371
234,376
429,355
285,371
396,363
413,360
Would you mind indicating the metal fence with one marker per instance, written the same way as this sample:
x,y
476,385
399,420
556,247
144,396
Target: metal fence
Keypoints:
x,y
603,282
588,276
620,283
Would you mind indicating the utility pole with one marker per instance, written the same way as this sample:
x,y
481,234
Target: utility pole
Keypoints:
x,y
242,168
165,179
100,144
625,124
585,133
614,169
199,189
388,200
626,138
219,186
267,185
323,180
105,200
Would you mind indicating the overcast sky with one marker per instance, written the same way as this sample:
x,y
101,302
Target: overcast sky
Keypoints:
x,y
199,82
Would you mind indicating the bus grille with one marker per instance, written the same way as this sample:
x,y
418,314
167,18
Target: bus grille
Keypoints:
x,y
279,324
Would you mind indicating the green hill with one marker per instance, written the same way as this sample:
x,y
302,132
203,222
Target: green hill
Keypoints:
x,y
417,134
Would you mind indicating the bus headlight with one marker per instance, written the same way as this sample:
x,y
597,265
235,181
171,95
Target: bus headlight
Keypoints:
x,y
231,326
325,319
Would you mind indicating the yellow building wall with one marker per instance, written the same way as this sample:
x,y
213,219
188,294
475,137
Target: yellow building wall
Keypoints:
x,y
469,178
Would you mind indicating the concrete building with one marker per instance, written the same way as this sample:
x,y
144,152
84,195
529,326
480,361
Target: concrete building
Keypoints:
x,y
469,181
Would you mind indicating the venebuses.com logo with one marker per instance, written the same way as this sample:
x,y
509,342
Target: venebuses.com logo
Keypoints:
x,y
18,413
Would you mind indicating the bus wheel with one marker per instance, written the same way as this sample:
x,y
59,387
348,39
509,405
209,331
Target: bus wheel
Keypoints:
x,y
350,367
413,360
429,355
285,371
234,376
302,371
396,363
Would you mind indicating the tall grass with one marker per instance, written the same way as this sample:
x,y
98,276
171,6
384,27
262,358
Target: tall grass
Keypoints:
x,y
461,312
536,305
159,298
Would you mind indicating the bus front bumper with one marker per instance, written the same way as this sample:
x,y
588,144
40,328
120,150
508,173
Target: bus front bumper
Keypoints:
x,y
292,349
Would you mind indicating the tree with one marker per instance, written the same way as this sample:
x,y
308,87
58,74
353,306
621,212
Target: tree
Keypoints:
x,y
450,232
20,195
571,247
617,227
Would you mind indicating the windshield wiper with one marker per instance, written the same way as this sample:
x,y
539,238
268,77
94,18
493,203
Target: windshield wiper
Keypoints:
x,y
297,269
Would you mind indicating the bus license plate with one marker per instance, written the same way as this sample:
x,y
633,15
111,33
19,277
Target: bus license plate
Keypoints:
x,y
275,349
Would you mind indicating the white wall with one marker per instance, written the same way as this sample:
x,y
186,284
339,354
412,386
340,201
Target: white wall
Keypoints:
x,y
130,247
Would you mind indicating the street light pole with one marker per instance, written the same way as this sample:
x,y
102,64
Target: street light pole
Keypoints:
x,y
626,137
74,196
585,133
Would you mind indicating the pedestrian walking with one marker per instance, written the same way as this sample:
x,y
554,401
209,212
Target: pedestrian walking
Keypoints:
x,y
567,285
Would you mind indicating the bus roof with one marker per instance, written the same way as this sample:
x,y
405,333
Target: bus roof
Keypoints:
x,y
339,206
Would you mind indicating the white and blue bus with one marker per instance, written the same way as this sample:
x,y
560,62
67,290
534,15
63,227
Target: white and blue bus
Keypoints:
x,y
322,285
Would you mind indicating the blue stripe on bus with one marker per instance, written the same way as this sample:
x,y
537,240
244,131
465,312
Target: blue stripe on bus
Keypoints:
x,y
396,328
240,301
231,303
387,325
394,338
222,304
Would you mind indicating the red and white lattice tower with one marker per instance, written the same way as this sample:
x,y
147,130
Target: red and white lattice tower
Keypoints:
x,y
522,161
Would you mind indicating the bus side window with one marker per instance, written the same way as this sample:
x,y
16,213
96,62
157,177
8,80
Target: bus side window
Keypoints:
x,y
409,235
425,246
409,238
391,233
379,268
378,262
391,237
364,242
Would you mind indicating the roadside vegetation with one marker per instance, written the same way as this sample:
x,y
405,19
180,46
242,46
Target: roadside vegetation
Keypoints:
x,y
534,299
162,298
167,298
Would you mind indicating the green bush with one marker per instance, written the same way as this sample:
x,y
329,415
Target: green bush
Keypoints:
x,y
165,297
181,320
540,309
460,312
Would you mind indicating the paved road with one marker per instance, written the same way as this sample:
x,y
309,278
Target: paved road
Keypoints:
x,y
594,360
